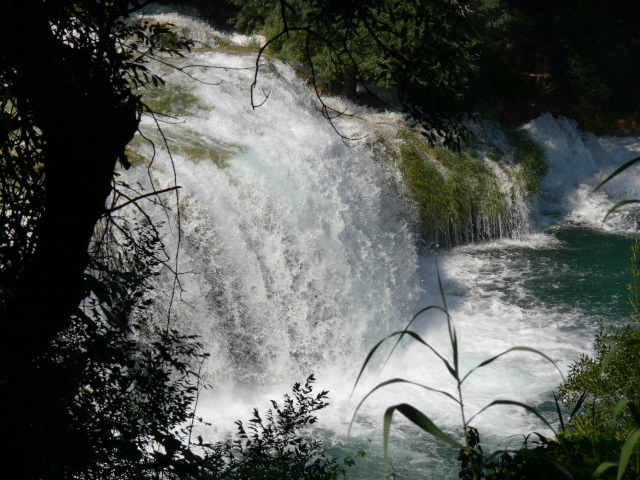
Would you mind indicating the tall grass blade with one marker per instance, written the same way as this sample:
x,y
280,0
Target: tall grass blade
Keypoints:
x,y
579,404
416,337
618,408
452,329
417,418
399,380
627,450
602,468
421,420
366,361
442,295
614,350
514,349
386,427
618,206
559,412
444,360
406,329
619,170
529,408
454,346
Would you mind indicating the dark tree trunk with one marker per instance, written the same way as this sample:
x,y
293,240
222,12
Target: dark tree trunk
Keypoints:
x,y
86,126
85,122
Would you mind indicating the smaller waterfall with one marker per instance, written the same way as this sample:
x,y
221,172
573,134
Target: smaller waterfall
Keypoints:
x,y
578,162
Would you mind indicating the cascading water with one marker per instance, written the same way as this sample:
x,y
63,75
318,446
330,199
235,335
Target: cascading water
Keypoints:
x,y
298,253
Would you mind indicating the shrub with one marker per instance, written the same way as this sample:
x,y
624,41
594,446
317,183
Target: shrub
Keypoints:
x,y
278,446
620,380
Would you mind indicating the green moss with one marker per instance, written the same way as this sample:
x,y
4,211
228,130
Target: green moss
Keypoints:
x,y
516,150
191,146
471,194
459,198
176,100
530,157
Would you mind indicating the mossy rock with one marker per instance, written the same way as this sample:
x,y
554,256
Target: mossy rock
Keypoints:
x,y
460,195
177,100
191,146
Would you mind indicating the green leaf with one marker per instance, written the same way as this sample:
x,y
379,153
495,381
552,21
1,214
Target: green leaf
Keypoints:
x,y
406,329
559,412
618,206
366,361
579,404
417,418
416,337
454,345
442,295
529,408
618,170
513,349
614,350
601,468
399,380
627,450
619,407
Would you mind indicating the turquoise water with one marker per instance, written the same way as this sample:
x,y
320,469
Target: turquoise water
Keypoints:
x,y
590,271
583,269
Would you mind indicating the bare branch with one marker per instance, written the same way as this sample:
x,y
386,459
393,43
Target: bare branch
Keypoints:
x,y
140,197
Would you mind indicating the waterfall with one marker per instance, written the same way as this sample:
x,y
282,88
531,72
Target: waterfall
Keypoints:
x,y
299,250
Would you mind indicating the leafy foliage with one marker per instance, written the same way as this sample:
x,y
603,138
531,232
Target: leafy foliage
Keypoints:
x,y
562,458
97,387
596,62
133,415
278,446
126,420
619,381
430,51
584,51
600,441
501,466
610,421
